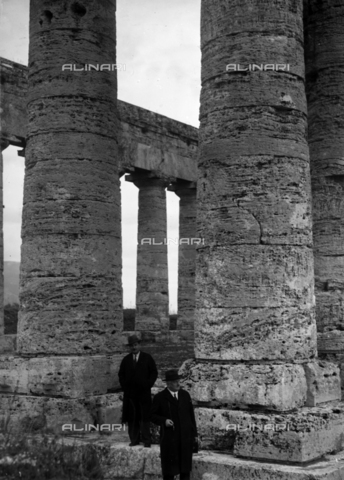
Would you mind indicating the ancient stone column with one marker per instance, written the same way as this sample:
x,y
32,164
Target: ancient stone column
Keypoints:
x,y
186,191
2,325
152,299
70,282
325,92
255,332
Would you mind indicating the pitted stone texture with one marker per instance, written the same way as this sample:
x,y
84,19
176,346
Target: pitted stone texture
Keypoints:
x,y
14,375
71,299
323,381
187,256
255,303
293,446
289,437
338,359
266,205
8,344
152,270
123,462
258,333
42,413
254,277
69,377
324,41
276,387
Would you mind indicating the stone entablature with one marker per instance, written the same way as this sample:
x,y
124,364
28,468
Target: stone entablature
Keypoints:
x,y
149,141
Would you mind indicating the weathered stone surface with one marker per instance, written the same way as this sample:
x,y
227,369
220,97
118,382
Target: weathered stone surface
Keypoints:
x,y
14,376
324,41
323,382
8,343
148,140
42,413
255,291
291,437
186,255
67,305
246,334
123,462
82,415
152,301
70,377
275,387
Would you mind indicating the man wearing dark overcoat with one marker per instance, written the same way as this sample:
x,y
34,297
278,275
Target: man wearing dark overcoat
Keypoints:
x,y
137,375
172,409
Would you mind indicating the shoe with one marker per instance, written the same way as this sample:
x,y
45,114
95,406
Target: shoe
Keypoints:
x,y
147,445
133,444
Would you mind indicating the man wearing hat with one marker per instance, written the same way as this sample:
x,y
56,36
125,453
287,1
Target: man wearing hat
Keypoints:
x,y
137,375
173,411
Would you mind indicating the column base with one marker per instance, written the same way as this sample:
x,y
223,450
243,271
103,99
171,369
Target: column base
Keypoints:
x,y
279,387
65,376
19,413
297,437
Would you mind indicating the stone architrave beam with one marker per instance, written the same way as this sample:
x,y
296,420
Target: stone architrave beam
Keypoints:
x,y
152,300
148,140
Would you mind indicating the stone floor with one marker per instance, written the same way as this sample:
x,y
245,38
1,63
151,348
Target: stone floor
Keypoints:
x,y
139,463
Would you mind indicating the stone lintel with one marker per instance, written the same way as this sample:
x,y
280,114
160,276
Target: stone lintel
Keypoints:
x,y
299,437
148,140
67,377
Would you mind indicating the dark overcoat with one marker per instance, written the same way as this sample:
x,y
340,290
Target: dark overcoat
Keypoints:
x,y
136,382
176,442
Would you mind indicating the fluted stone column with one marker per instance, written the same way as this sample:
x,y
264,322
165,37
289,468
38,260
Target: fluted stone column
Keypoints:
x,y
325,92
152,299
70,280
187,255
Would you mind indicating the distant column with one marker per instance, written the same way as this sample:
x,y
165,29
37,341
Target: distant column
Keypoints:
x,y
325,92
186,191
2,323
152,299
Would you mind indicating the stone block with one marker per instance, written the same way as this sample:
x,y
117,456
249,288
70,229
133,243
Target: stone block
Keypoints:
x,y
123,462
8,344
13,374
332,341
323,382
276,387
258,333
42,414
69,377
299,437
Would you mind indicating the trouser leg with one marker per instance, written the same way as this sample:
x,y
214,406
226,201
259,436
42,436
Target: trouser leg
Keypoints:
x,y
134,424
185,476
145,424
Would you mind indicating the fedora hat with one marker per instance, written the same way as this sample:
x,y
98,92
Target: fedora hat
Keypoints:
x,y
133,339
171,375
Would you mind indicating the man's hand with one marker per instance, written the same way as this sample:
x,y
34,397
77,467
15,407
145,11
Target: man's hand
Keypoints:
x,y
169,423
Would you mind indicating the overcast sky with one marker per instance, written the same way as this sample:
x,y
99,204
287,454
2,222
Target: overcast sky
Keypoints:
x,y
158,41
